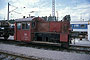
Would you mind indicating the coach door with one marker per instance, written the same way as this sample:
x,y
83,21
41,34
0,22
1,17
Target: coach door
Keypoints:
x,y
26,32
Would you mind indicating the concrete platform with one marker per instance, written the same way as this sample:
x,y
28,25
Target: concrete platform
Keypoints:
x,y
46,54
83,42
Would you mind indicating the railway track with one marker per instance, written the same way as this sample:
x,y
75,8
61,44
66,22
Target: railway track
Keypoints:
x,y
77,48
72,48
10,56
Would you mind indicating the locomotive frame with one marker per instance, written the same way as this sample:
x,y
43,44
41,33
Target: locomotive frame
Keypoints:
x,y
37,29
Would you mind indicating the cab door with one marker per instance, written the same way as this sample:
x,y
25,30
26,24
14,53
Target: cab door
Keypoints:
x,y
18,31
26,32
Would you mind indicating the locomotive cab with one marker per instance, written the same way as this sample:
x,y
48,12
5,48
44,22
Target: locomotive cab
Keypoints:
x,y
22,31
25,28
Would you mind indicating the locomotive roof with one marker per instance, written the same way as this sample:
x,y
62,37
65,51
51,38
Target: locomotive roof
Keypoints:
x,y
30,19
24,19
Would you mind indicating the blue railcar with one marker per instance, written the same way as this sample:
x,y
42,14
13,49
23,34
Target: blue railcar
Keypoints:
x,y
79,28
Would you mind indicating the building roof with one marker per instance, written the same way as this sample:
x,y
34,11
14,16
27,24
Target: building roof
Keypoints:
x,y
79,22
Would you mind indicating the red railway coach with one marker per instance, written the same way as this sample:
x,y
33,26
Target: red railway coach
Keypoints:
x,y
39,30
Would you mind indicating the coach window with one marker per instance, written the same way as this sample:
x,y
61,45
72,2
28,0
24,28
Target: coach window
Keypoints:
x,y
18,26
82,25
76,26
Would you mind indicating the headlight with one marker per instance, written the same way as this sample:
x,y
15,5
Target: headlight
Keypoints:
x,y
2,28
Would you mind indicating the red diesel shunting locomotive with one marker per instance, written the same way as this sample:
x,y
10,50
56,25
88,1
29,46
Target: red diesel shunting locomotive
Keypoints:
x,y
37,29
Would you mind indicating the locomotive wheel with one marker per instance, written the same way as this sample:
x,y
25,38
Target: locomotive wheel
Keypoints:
x,y
65,45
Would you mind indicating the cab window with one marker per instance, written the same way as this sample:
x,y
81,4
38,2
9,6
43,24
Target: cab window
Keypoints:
x,y
19,26
33,24
25,26
0,23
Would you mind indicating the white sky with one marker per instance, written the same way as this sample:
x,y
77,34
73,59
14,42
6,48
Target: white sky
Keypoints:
x,y
76,8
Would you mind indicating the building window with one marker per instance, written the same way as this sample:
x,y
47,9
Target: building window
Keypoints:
x,y
25,26
76,26
19,26
83,26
